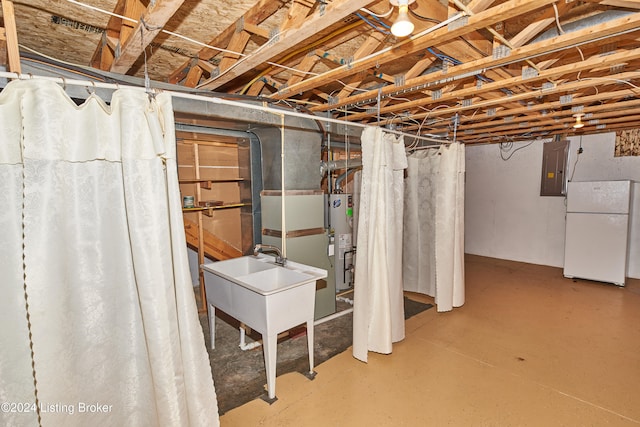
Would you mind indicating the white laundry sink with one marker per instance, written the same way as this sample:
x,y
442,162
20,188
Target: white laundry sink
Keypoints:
x,y
265,296
238,267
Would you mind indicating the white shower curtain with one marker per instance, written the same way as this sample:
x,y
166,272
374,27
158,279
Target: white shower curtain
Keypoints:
x,y
433,261
378,312
99,323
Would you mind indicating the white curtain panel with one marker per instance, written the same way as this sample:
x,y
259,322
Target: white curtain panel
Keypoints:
x,y
378,312
99,320
433,252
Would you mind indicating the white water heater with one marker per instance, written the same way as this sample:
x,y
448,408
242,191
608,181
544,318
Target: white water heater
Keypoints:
x,y
341,225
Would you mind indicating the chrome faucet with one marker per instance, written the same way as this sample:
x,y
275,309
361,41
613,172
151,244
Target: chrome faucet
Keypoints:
x,y
280,260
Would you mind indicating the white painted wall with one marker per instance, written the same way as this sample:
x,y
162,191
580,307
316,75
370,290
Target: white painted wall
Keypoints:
x,y
505,216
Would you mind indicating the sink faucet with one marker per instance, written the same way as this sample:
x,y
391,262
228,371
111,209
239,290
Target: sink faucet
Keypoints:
x,y
280,260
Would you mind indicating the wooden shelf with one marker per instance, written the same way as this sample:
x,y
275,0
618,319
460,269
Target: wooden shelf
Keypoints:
x,y
207,183
208,210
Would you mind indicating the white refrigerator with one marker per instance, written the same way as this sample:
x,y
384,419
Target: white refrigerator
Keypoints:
x,y
597,230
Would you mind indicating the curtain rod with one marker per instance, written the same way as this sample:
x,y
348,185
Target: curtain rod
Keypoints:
x,y
279,112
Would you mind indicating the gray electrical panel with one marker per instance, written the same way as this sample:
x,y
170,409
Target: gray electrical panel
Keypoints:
x,y
555,156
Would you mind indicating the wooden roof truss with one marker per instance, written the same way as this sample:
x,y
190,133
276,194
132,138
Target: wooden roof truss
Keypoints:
x,y
486,70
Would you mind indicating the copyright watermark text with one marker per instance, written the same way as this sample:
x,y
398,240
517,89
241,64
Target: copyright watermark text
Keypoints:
x,y
56,408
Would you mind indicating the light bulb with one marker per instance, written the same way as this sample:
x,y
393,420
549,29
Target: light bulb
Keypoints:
x,y
578,124
403,26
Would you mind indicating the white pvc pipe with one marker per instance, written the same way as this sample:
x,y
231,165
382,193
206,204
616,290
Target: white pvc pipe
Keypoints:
x,y
343,299
283,235
333,316
243,345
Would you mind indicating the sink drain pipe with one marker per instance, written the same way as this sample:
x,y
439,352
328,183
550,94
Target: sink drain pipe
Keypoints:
x,y
244,346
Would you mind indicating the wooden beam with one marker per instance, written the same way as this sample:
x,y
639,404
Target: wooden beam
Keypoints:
x,y
288,39
541,24
206,66
631,4
295,16
481,121
151,23
307,64
550,74
258,13
256,88
133,9
418,68
565,88
595,112
103,56
214,247
479,5
193,77
254,29
11,36
370,45
238,44
338,37
411,45
527,51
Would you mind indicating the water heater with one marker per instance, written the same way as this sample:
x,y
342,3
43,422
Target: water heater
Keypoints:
x,y
341,225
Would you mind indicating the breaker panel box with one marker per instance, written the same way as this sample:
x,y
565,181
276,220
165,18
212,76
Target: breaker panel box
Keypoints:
x,y
555,156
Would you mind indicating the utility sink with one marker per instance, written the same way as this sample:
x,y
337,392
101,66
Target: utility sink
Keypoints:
x,y
239,267
265,296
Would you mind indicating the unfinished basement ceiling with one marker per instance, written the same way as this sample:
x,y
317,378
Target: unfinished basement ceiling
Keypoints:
x,y
498,71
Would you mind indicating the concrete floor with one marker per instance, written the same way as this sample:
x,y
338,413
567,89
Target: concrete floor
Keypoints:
x,y
529,348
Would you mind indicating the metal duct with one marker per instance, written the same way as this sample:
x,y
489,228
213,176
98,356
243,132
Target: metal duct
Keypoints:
x,y
302,152
326,167
342,177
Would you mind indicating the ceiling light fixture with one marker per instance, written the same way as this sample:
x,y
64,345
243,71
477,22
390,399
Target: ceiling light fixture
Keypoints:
x,y
578,124
403,25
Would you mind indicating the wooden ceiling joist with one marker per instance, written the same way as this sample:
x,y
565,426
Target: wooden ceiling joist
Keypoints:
x,y
149,25
495,68
412,45
567,88
257,14
334,12
10,37
538,49
553,73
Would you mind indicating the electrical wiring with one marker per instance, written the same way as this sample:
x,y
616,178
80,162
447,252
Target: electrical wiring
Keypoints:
x,y
577,158
472,116
73,70
443,57
384,15
171,33
301,50
555,9
384,24
415,140
289,102
424,120
435,21
561,31
201,44
454,61
372,25
507,147
612,80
